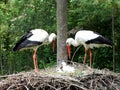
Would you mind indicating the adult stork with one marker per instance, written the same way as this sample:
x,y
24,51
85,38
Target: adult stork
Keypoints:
x,y
89,40
34,39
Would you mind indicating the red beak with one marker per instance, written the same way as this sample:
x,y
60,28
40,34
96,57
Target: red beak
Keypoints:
x,y
69,51
53,45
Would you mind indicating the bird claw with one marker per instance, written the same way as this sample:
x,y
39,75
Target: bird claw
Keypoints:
x,y
36,70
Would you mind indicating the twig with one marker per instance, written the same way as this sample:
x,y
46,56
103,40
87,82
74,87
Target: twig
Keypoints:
x,y
51,86
80,87
11,86
45,84
26,87
75,53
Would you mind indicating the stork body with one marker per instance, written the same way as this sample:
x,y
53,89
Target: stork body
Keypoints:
x,y
89,40
33,40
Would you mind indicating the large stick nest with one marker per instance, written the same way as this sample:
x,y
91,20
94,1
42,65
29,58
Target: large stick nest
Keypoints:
x,y
51,80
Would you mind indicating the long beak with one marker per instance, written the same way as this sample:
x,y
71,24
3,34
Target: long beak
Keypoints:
x,y
53,45
69,51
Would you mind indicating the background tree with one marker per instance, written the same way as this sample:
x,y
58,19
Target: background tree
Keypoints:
x,y
61,30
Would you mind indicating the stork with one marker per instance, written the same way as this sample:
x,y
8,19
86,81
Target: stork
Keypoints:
x,y
89,40
34,39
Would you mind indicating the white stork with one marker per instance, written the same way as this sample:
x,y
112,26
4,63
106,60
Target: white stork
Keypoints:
x,y
34,39
89,40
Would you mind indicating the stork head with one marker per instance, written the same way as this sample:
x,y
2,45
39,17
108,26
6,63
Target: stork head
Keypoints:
x,y
68,43
52,38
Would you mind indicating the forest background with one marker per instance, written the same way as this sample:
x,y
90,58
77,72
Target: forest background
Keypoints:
x,y
20,16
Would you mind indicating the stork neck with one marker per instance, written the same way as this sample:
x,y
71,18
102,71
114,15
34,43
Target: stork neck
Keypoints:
x,y
51,37
74,43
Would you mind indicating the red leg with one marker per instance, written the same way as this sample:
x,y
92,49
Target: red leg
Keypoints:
x,y
35,61
90,58
85,56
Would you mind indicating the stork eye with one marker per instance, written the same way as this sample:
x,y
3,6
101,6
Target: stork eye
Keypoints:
x,y
67,43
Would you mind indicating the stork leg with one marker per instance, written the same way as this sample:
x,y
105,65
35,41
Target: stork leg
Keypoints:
x,y
35,60
85,56
90,58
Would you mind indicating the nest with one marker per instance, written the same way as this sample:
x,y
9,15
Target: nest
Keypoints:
x,y
51,80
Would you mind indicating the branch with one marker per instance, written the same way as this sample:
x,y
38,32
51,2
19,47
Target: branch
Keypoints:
x,y
17,18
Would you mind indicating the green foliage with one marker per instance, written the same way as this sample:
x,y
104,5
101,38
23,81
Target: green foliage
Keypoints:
x,y
19,16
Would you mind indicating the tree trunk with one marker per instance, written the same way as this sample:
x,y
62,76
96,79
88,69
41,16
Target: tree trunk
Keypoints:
x,y
61,31
113,35
1,64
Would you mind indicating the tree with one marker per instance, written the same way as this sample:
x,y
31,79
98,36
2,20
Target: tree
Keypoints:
x,y
61,30
113,33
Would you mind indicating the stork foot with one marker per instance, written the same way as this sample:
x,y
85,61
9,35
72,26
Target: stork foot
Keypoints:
x,y
83,67
91,69
36,70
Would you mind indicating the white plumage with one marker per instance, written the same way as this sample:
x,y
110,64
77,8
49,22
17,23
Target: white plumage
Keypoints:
x,y
34,39
38,35
85,35
89,40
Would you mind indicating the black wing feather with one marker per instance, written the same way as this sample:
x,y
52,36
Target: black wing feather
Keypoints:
x,y
100,40
22,39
